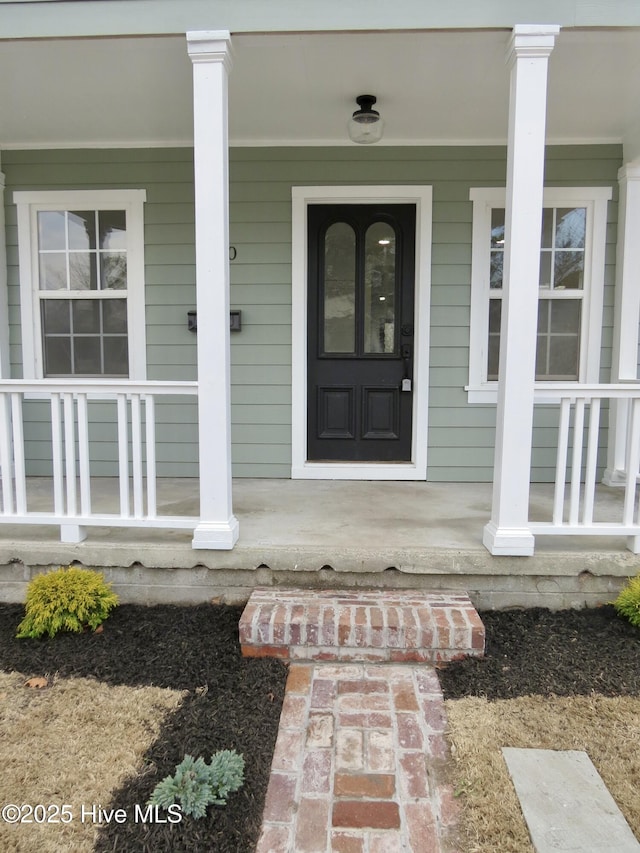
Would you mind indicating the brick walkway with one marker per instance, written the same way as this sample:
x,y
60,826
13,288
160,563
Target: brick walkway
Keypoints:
x,y
359,759
358,762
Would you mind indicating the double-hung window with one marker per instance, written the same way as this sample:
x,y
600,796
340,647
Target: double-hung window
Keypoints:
x,y
571,286
82,283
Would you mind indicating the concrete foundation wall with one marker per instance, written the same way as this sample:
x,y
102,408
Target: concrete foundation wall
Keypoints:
x,y
543,582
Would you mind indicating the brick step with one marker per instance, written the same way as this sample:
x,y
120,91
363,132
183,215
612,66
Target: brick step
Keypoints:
x,y
360,625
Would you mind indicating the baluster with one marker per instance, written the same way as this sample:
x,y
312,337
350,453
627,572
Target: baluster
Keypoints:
x,y
6,462
576,461
123,456
561,461
18,453
632,461
136,455
592,459
634,541
56,456
83,455
70,453
150,437
71,533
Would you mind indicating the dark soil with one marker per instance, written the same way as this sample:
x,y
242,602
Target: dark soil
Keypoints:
x,y
563,653
233,703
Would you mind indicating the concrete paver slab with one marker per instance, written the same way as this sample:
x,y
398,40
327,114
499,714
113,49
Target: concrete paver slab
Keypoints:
x,y
566,804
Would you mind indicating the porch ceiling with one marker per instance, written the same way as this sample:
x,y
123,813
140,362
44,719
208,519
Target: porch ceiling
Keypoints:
x,y
433,87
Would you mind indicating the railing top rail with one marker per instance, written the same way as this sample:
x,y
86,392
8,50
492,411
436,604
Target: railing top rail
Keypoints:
x,y
96,386
559,391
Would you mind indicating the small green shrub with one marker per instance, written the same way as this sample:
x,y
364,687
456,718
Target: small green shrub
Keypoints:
x,y
628,602
197,784
66,599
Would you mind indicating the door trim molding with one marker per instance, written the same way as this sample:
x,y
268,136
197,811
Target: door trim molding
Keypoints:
x,y
301,197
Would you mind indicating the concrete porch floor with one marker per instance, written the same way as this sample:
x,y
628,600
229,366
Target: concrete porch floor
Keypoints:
x,y
328,533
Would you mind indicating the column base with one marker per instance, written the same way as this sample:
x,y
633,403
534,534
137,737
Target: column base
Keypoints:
x,y
72,534
216,536
633,544
508,541
614,477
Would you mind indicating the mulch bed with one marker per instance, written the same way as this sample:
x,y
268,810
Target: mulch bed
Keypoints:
x,y
233,703
561,653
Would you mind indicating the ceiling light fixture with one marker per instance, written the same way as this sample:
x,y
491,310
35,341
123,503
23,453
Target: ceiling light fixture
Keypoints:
x,y
366,124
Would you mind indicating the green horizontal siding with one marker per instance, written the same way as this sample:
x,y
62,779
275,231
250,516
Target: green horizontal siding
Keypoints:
x,y
262,414
452,357
273,355
166,175
461,436
280,471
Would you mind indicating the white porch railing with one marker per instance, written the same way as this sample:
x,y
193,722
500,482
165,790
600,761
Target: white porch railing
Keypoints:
x,y
70,402
576,510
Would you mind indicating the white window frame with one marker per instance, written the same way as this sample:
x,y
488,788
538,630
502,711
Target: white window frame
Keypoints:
x,y
594,199
29,203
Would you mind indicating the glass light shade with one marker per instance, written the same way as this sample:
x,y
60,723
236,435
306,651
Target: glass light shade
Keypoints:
x,y
365,129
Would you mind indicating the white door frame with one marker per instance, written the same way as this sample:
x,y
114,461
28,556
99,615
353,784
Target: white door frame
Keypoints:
x,y
416,469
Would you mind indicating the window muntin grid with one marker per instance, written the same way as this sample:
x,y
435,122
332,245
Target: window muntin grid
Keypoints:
x,y
560,301
82,289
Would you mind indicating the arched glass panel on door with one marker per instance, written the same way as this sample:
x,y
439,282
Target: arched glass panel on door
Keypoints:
x,y
380,289
339,328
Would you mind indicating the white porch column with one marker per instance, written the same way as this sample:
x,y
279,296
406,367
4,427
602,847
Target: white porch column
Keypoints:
x,y
624,361
527,56
210,54
4,298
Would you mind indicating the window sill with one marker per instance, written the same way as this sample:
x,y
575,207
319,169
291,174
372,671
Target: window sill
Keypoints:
x,y
482,394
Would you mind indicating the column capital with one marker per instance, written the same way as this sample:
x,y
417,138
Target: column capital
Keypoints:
x,y
630,171
210,46
531,41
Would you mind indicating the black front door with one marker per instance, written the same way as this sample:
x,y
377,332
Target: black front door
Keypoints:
x,y
360,332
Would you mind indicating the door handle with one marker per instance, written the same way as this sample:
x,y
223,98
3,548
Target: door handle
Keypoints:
x,y
405,352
